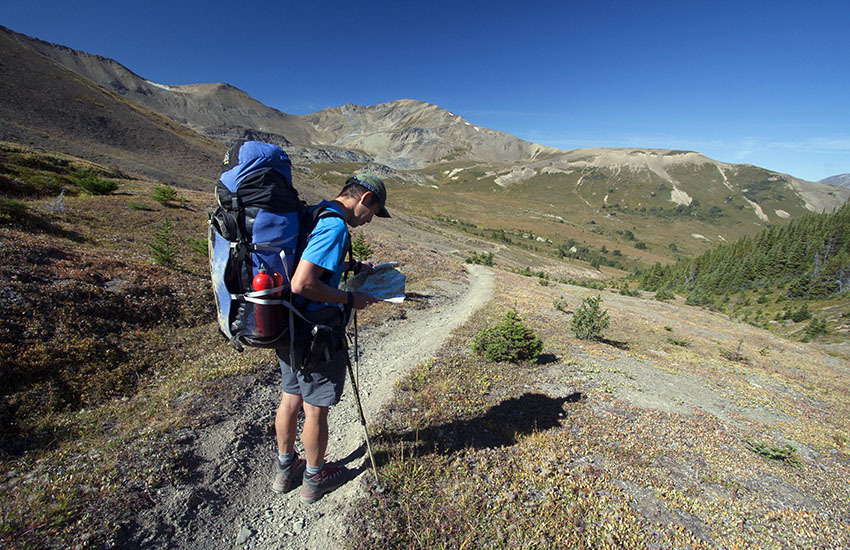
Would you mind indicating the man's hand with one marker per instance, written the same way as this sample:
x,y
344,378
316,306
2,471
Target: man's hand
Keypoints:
x,y
367,267
363,299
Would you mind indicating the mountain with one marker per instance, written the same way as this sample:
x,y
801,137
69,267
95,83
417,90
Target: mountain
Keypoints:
x,y
841,180
409,141
410,134
658,180
46,105
403,134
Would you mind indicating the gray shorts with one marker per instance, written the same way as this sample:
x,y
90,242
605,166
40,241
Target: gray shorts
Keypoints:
x,y
321,387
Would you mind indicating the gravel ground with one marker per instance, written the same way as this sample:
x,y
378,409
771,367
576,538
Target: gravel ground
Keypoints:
x,y
226,501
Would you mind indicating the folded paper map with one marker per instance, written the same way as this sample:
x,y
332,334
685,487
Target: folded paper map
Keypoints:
x,y
387,283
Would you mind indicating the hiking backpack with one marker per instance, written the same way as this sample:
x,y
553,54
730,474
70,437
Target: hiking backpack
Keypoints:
x,y
257,232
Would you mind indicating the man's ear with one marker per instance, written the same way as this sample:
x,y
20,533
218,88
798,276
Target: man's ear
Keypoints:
x,y
370,201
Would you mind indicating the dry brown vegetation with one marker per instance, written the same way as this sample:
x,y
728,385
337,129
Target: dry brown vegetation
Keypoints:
x,y
630,442
107,358
657,435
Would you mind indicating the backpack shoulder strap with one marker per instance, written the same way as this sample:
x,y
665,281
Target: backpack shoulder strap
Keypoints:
x,y
322,211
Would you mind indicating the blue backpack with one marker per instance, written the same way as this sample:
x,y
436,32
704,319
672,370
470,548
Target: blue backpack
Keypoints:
x,y
260,227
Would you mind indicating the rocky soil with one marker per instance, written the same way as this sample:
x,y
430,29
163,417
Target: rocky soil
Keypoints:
x,y
226,499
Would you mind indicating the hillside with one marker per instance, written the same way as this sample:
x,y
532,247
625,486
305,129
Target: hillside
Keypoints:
x,y
128,421
609,208
841,180
48,106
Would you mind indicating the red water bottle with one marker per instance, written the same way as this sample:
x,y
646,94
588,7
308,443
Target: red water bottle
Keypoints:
x,y
263,315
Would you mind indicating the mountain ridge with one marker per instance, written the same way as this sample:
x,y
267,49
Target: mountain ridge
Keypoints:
x,y
46,104
839,180
405,139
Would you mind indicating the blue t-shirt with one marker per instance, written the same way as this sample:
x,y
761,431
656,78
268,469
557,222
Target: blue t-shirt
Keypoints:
x,y
326,248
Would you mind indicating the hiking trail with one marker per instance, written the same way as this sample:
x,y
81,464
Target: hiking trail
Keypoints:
x,y
227,502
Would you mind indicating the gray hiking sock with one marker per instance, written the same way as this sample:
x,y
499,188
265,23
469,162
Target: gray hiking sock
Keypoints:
x,y
311,471
285,458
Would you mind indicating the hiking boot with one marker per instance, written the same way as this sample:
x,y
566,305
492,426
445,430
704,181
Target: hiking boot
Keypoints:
x,y
284,476
328,479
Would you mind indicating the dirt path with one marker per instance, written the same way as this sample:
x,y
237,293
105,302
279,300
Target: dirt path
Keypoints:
x,y
227,501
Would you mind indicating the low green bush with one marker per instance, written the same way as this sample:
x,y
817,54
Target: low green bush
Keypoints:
x,y
95,185
163,247
360,247
802,314
561,304
664,295
485,258
165,194
735,355
590,319
785,453
817,327
12,210
199,245
508,340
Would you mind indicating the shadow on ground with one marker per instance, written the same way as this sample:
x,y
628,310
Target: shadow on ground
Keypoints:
x,y
500,426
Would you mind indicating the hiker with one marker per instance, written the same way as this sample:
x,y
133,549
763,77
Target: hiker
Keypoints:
x,y
316,280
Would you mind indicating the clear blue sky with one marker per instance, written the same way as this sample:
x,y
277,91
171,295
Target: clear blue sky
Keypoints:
x,y
764,83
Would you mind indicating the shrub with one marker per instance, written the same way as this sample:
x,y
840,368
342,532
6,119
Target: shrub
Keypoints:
x,y
133,205
95,185
508,340
163,249
590,320
485,258
676,341
786,453
57,205
817,327
199,245
13,210
664,294
735,354
560,304
802,314
362,250
165,194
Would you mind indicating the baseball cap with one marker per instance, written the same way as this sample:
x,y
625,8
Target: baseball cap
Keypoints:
x,y
374,184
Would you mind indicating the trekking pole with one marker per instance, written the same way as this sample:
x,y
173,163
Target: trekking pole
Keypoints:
x,y
378,487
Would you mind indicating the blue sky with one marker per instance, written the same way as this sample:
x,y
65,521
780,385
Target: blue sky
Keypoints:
x,y
764,83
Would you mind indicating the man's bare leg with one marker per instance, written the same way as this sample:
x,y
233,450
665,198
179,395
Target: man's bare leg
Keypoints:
x,y
286,422
314,436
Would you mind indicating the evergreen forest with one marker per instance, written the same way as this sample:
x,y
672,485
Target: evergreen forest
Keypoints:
x,y
809,259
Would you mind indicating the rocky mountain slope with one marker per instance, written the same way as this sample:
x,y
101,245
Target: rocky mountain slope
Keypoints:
x,y
46,105
413,141
403,134
841,180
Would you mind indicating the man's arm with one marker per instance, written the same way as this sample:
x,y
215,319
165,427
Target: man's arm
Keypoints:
x,y
307,282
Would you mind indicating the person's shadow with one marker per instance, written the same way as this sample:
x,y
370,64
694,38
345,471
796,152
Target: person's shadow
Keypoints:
x,y
500,426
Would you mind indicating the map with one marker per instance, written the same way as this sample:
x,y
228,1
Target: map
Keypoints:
x,y
387,283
